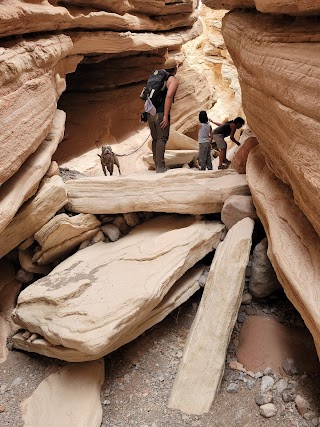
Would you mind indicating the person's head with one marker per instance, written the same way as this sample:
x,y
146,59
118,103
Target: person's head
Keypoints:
x,y
239,122
203,118
171,66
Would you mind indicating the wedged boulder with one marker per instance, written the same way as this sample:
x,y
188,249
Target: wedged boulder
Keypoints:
x,y
62,234
174,157
202,366
70,397
236,208
23,184
157,252
288,7
278,65
33,214
263,279
181,191
26,263
178,141
294,245
239,160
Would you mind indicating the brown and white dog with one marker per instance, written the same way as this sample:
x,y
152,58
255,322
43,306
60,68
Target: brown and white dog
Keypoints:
x,y
108,159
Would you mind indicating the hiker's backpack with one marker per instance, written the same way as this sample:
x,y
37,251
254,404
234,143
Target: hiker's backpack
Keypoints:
x,y
155,87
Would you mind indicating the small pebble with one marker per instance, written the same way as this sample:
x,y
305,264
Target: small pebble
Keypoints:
x,y
263,398
266,383
269,410
233,388
2,408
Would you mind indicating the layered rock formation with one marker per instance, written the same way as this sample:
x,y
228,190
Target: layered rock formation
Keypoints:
x,y
278,65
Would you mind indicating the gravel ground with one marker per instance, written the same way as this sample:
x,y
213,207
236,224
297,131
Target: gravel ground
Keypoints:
x,y
139,378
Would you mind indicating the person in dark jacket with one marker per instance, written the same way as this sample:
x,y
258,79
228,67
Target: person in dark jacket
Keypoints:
x,y
223,131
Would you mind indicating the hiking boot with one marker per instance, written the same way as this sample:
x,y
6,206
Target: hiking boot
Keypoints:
x,y
223,167
161,170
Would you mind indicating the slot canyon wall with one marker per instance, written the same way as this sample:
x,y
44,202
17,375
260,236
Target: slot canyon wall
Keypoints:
x,y
277,56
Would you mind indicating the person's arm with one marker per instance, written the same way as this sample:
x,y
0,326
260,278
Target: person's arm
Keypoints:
x,y
210,135
172,86
233,129
215,123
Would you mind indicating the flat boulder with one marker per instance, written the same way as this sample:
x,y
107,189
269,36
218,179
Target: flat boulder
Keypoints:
x,y
97,295
236,208
183,191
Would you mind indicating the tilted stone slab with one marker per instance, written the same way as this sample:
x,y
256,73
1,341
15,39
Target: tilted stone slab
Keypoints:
x,y
62,234
23,184
293,244
36,212
174,157
180,191
180,292
202,366
70,397
94,297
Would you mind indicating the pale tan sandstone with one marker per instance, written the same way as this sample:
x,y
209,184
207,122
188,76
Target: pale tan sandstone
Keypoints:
x,y
235,208
62,234
53,169
178,190
157,252
202,366
239,160
70,397
180,292
29,89
174,157
289,7
279,69
33,214
293,244
20,17
24,183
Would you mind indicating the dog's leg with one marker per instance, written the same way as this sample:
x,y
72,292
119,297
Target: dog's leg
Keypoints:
x,y
116,161
111,169
104,169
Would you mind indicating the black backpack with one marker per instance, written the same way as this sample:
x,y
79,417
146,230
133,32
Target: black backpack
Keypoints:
x,y
156,87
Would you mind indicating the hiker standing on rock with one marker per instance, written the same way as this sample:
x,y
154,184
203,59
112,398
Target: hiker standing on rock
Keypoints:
x,y
205,140
161,88
219,135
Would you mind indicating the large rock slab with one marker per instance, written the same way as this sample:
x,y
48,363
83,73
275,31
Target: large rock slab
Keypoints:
x,y
157,252
202,366
182,290
174,157
288,7
70,397
33,214
293,244
62,234
25,182
180,191
279,70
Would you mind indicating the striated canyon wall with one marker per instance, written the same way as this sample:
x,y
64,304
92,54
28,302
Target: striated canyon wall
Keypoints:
x,y
276,54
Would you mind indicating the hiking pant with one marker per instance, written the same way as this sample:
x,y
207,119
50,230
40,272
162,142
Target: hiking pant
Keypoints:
x,y
159,138
205,156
